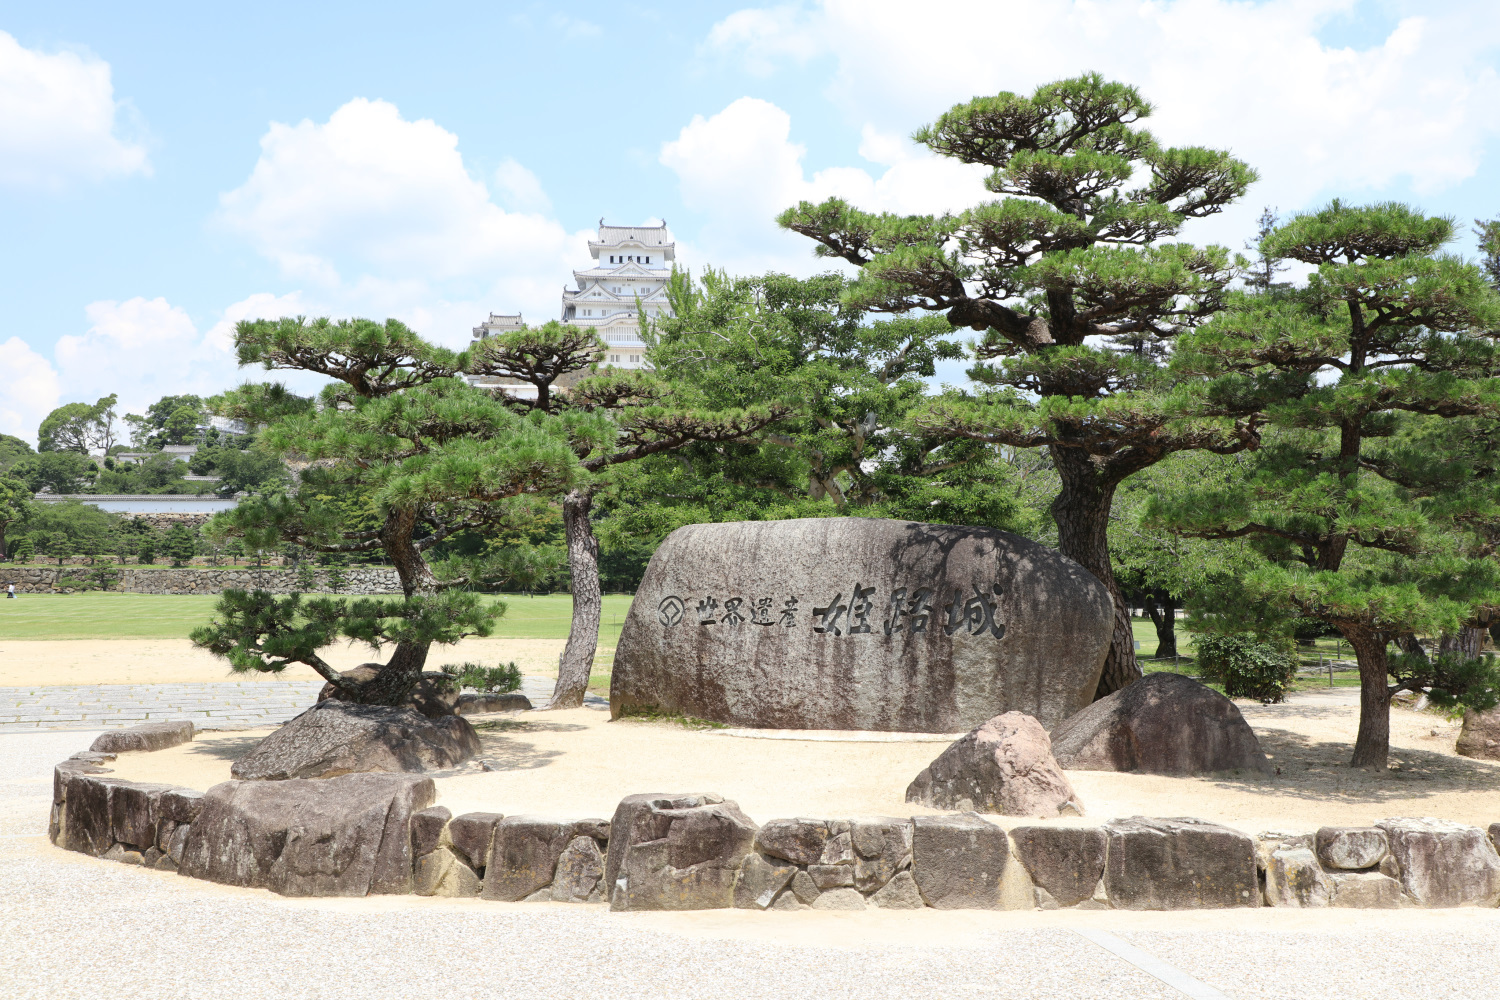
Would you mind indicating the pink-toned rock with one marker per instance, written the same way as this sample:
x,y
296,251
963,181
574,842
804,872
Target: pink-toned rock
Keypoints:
x,y
1480,736
1005,766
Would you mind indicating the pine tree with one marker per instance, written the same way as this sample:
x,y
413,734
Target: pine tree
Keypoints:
x,y
1068,257
1389,337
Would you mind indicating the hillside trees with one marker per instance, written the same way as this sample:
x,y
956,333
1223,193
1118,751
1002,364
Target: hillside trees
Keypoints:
x,y
1068,278
16,506
640,414
1360,519
79,427
430,456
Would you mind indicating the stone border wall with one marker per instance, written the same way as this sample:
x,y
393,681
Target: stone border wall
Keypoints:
x,y
362,834
192,580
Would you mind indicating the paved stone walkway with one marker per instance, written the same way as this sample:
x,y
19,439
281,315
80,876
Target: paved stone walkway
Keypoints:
x,y
216,705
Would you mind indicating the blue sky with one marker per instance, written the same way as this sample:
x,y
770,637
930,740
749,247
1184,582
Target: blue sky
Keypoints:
x,y
165,171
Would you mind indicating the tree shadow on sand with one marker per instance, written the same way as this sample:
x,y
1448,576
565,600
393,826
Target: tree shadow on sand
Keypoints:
x,y
1320,770
505,753
230,748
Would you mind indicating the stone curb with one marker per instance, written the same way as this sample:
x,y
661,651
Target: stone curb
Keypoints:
x,y
698,851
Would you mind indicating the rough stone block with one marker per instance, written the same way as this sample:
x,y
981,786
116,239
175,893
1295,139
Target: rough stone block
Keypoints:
x,y
150,736
831,876
839,899
76,765
1443,864
1351,848
133,812
760,880
1294,878
427,827
1004,767
181,805
1365,891
800,841
338,737
86,821
580,870
805,889
957,861
472,834
442,873
882,847
343,836
1065,862
676,852
900,893
473,703
524,856
124,854
1178,864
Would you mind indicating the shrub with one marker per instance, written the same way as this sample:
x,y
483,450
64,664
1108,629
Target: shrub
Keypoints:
x,y
1453,682
307,580
1248,667
486,680
24,550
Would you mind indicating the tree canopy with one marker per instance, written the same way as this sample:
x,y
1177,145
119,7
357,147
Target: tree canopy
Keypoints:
x,y
79,427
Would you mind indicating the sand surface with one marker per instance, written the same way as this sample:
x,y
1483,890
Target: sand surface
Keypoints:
x,y
578,763
46,663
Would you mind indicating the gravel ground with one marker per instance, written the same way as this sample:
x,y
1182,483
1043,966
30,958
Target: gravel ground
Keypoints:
x,y
72,926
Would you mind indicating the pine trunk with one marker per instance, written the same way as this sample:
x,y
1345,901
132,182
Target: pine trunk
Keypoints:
x,y
583,637
1081,511
1372,746
1163,612
401,673
1465,642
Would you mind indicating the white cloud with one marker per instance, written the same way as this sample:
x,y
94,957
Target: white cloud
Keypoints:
x,y
574,27
29,391
59,119
381,217
1316,120
741,168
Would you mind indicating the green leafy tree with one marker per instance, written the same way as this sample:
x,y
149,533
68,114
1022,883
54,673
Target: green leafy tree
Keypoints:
x,y
61,472
235,549
16,506
79,427
1069,278
629,416
435,457
60,546
12,450
169,420
179,544
1388,332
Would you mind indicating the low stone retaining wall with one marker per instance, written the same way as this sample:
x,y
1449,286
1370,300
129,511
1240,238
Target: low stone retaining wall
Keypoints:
x,y
165,580
361,834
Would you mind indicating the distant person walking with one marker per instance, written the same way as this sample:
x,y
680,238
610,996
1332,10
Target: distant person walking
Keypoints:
x,y
10,592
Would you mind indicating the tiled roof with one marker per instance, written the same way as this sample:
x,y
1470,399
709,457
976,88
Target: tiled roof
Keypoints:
x,y
651,236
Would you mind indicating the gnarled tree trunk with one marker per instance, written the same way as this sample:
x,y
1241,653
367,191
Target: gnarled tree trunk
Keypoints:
x,y
583,636
1081,511
394,683
1163,611
1465,642
1372,747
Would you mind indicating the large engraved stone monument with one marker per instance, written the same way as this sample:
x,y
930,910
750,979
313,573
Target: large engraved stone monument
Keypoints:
x,y
860,623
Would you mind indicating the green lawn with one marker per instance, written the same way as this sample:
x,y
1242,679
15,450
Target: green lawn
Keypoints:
x,y
161,616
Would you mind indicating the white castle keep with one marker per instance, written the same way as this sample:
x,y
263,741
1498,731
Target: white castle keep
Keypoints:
x,y
629,276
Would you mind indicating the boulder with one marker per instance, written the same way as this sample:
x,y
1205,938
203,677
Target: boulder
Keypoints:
x,y
85,819
472,834
427,826
1178,864
1065,862
800,841
676,852
882,847
1161,724
1365,890
900,893
181,805
760,880
1294,878
806,891
957,862
150,736
435,695
1004,767
473,703
860,623
580,872
831,876
343,836
1442,864
839,899
337,737
1480,736
1350,848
